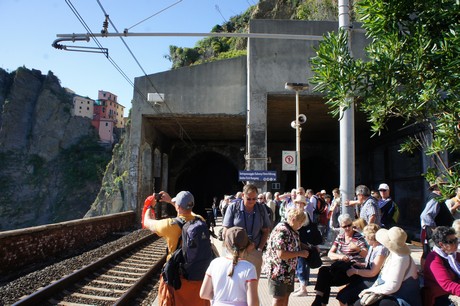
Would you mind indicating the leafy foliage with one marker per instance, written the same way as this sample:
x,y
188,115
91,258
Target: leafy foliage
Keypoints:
x,y
412,72
84,162
318,10
214,48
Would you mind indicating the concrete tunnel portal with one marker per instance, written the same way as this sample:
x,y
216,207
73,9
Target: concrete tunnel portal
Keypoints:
x,y
206,175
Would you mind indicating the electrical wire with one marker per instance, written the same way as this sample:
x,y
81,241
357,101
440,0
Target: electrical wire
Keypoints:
x,y
154,15
119,69
182,130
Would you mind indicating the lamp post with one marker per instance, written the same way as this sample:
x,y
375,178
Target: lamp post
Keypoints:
x,y
297,87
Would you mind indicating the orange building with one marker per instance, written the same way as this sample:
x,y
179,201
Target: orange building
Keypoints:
x,y
107,115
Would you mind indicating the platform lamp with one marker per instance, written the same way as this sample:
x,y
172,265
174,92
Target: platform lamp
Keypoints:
x,y
299,119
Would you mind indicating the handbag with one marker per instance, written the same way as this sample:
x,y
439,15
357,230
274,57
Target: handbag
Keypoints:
x,y
370,298
313,235
314,258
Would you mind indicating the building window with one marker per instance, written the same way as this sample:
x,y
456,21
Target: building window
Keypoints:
x,y
106,124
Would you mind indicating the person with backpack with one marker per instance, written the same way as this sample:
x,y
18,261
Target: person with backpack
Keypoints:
x,y
388,207
253,217
231,280
370,210
173,231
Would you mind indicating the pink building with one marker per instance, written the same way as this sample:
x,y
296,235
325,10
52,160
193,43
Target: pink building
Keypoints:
x,y
107,115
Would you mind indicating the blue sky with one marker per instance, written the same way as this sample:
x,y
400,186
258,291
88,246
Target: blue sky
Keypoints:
x,y
30,27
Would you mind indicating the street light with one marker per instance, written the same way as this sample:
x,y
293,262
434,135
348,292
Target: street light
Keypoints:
x,y
297,87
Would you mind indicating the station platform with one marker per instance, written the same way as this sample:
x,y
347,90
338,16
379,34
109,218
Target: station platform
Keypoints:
x,y
266,299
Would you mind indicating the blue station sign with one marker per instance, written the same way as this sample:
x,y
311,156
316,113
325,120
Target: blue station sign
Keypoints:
x,y
257,175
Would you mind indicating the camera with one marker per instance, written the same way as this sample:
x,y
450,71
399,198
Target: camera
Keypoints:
x,y
157,197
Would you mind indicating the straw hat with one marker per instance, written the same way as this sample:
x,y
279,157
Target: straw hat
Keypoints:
x,y
394,240
300,199
437,182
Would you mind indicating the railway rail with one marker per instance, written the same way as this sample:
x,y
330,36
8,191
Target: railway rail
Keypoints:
x,y
115,279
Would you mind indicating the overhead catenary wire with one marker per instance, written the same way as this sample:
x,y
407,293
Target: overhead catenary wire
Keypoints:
x,y
182,131
154,15
104,51
90,33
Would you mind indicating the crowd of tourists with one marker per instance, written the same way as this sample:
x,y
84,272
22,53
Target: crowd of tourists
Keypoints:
x,y
273,235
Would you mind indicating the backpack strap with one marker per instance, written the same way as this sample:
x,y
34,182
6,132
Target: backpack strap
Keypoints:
x,y
179,221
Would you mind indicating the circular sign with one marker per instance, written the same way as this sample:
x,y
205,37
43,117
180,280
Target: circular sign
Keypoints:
x,y
289,159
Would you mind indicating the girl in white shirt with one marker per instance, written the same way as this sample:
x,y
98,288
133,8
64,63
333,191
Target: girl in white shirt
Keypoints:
x,y
231,280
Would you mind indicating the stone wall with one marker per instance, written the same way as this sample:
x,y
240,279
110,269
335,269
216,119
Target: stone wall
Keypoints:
x,y
21,247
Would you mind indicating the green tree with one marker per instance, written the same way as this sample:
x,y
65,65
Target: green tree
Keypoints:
x,y
412,71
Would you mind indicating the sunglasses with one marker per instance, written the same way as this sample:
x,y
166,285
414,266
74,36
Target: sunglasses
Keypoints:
x,y
452,241
251,199
345,226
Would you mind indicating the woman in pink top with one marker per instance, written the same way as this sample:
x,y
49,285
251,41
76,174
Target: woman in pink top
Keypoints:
x,y
442,268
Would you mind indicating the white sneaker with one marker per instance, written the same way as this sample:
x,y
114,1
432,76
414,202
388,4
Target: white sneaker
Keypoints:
x,y
300,293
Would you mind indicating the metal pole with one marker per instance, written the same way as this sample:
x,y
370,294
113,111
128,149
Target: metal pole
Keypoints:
x,y
347,129
297,87
297,135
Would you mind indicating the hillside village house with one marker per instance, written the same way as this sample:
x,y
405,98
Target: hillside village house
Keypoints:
x,y
105,112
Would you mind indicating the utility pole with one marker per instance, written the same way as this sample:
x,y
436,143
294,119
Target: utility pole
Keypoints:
x,y
347,127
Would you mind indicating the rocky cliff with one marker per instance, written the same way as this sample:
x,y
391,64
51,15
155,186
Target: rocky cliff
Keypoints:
x,y
50,163
112,196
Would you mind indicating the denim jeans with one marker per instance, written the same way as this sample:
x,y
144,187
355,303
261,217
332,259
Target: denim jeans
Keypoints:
x,y
303,271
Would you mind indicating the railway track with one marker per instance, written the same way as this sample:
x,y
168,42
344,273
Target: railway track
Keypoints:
x,y
115,279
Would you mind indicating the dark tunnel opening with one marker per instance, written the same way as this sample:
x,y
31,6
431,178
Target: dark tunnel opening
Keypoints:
x,y
317,173
207,175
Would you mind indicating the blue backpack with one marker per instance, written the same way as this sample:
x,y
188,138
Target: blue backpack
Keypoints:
x,y
196,248
193,255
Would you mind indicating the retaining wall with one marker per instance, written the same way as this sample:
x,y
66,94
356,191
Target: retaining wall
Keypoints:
x,y
22,247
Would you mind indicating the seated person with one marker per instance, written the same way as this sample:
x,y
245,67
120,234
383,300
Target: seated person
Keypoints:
x,y
442,268
363,275
349,247
359,224
398,282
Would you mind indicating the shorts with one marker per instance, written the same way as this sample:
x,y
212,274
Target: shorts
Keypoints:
x,y
277,288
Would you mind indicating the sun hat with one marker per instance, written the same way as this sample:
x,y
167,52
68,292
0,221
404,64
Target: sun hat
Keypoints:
x,y
437,182
393,239
236,238
300,199
384,187
184,199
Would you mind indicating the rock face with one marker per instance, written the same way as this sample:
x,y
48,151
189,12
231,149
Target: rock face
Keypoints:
x,y
50,163
113,195
274,9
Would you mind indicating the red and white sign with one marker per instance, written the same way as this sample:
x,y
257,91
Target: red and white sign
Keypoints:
x,y
289,163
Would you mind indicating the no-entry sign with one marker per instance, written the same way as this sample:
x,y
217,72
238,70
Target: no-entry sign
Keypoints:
x,y
289,163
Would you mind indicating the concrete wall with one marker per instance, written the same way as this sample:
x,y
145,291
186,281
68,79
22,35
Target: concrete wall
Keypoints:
x,y
21,247
211,88
272,63
208,89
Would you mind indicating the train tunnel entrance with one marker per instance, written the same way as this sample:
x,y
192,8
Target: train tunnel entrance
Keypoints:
x,y
207,175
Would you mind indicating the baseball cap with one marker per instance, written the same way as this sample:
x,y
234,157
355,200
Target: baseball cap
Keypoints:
x,y
384,187
236,238
323,191
184,199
